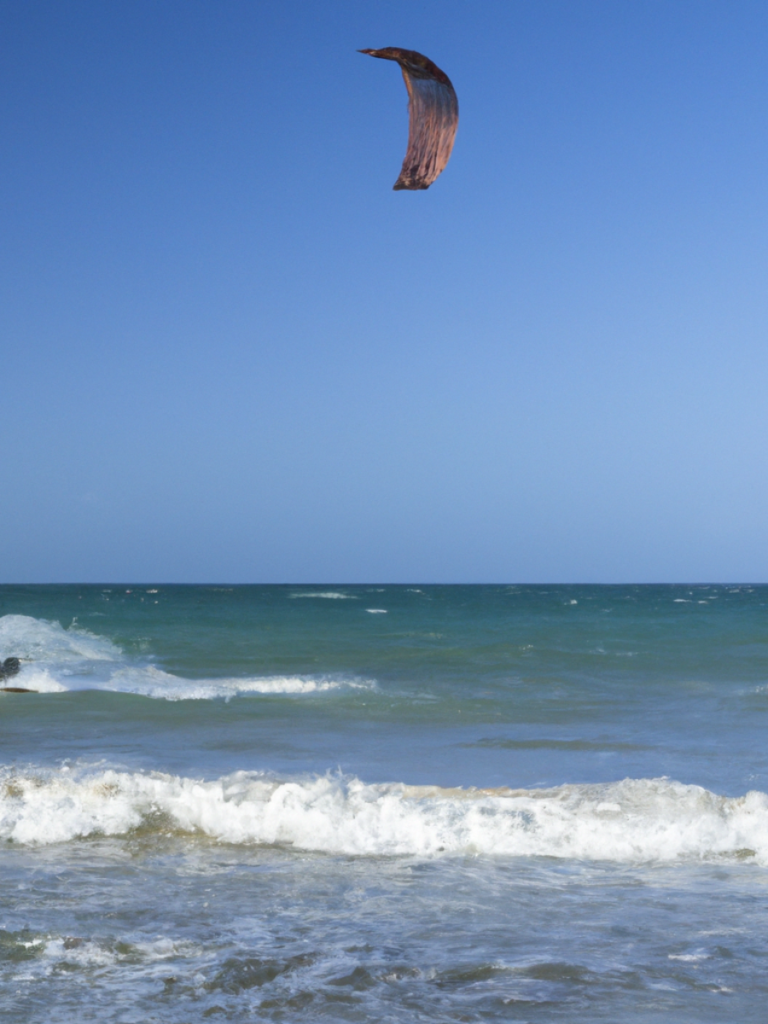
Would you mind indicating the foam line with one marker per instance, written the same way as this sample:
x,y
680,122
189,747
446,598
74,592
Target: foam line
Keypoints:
x,y
636,820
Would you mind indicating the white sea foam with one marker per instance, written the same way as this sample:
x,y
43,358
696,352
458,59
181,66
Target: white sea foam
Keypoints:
x,y
330,595
49,952
38,679
37,639
376,611
153,682
637,820
55,660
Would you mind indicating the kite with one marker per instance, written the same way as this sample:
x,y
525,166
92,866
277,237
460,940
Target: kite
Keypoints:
x,y
433,115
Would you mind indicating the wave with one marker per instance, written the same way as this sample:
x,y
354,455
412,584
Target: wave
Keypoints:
x,y
636,820
51,952
39,639
329,595
57,660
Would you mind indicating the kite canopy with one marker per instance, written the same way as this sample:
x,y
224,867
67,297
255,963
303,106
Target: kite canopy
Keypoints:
x,y
433,111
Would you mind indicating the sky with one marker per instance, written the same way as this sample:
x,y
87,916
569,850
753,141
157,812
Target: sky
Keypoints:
x,y
229,352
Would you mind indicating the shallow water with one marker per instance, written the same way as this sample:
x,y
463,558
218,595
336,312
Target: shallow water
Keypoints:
x,y
396,804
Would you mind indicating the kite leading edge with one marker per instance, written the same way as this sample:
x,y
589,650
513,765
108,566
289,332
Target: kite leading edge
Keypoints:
x,y
433,112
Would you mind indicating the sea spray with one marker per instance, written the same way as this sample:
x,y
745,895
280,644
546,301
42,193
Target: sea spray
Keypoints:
x,y
636,820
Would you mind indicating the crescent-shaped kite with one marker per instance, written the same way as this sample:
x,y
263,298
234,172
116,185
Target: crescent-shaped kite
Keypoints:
x,y
433,114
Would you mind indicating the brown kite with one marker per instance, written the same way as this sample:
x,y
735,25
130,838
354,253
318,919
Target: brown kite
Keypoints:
x,y
434,116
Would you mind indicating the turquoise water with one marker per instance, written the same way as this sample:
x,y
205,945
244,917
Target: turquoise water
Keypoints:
x,y
384,803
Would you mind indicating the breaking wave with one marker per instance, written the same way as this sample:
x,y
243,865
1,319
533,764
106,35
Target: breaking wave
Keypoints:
x,y
56,660
637,820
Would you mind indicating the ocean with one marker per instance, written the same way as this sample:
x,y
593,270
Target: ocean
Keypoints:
x,y
384,803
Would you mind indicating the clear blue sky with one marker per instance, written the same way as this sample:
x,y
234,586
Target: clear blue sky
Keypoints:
x,y
230,352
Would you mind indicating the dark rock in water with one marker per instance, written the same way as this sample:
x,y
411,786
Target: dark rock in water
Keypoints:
x,y
10,667
15,689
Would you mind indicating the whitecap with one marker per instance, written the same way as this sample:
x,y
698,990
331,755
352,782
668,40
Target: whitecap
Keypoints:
x,y
40,680
55,660
636,820
38,639
150,681
329,595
